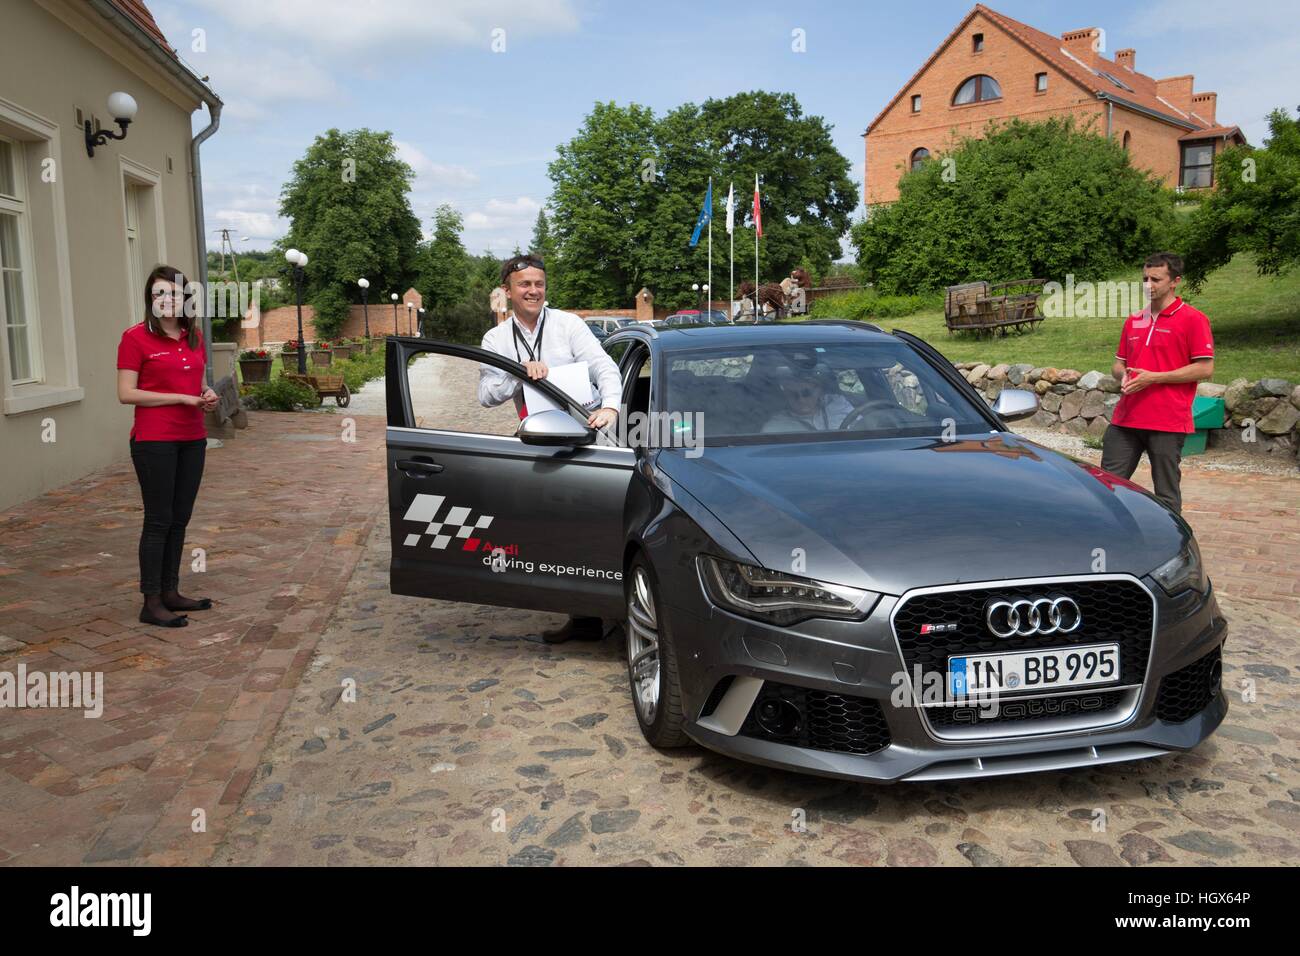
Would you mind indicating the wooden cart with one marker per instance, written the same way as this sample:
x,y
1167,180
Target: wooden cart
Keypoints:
x,y
325,386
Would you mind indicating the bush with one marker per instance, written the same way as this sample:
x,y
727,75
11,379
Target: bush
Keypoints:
x,y
282,394
1027,200
865,306
360,368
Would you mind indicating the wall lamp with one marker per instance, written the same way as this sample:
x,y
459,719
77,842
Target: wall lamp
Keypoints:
x,y
122,107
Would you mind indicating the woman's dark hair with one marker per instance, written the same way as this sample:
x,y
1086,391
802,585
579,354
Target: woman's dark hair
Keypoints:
x,y
186,322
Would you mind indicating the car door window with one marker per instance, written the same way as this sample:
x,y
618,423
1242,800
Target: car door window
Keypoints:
x,y
448,394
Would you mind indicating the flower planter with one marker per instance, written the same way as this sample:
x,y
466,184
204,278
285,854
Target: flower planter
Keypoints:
x,y
255,370
343,351
321,357
290,361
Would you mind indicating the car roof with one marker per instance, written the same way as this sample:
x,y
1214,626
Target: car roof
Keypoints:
x,y
821,331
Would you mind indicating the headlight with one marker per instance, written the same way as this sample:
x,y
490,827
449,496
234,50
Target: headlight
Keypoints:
x,y
778,598
1183,571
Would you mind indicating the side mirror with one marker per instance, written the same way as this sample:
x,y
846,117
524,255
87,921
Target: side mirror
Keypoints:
x,y
554,427
1015,403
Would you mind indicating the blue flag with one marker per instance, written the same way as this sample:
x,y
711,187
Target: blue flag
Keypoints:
x,y
706,215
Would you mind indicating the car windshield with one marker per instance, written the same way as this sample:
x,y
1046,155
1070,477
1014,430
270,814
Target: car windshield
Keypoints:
x,y
806,391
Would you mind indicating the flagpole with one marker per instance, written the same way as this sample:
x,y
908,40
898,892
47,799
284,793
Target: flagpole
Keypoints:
x,y
708,294
757,213
731,286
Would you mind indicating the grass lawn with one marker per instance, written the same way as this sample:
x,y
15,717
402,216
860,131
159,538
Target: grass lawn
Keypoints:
x,y
1256,323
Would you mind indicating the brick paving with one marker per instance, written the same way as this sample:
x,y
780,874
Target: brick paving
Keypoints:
x,y
472,742
282,515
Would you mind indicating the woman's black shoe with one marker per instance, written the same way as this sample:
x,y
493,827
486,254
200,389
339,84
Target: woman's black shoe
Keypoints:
x,y
178,621
190,604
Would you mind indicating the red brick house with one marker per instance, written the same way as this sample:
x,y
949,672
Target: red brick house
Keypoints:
x,y
994,68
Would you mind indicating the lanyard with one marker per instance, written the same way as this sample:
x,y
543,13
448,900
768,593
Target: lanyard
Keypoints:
x,y
535,352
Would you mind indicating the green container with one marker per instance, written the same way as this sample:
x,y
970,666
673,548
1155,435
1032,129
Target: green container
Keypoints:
x,y
1207,413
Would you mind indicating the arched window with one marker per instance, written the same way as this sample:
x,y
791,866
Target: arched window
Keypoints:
x,y
977,89
918,157
1127,137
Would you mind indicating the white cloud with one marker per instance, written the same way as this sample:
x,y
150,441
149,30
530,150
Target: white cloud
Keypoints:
x,y
1243,52
348,27
430,173
504,213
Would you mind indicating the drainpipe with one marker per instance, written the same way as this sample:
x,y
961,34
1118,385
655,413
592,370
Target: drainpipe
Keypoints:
x,y
1110,114
196,189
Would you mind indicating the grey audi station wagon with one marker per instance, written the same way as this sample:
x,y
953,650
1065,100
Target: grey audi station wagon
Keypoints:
x,y
827,552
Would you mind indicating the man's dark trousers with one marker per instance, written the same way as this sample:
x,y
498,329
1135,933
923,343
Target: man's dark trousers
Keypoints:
x,y
1122,448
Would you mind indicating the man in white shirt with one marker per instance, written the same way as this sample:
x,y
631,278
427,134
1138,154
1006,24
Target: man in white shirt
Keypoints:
x,y
539,337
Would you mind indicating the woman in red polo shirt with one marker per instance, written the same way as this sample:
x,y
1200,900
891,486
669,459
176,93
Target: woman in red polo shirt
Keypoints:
x,y
160,365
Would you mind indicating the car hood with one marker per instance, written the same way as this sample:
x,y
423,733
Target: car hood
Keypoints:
x,y
893,514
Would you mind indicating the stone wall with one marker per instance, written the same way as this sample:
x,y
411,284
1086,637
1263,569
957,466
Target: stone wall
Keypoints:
x,y
1081,403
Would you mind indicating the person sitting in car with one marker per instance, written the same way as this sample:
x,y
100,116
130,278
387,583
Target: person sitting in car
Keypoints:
x,y
808,407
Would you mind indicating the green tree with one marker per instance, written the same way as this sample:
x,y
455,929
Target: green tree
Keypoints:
x,y
348,204
628,189
444,266
1026,199
542,244
1255,207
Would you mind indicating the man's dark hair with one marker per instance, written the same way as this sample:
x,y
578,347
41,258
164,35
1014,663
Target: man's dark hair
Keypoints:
x,y
1170,260
515,263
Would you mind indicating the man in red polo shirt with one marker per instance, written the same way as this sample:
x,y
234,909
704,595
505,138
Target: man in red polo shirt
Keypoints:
x,y
1163,352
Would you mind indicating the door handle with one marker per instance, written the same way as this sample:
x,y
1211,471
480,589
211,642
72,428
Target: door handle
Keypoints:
x,y
418,468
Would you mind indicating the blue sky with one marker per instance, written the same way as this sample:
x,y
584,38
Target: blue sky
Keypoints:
x,y
480,126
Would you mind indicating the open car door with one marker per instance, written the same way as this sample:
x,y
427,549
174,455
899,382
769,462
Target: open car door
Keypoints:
x,y
479,515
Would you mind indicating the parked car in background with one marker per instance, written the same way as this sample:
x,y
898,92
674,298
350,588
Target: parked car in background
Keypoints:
x,y
598,329
609,324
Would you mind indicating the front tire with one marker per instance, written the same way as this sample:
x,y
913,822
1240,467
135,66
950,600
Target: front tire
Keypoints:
x,y
652,663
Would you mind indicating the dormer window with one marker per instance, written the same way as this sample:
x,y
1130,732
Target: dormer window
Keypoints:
x,y
977,89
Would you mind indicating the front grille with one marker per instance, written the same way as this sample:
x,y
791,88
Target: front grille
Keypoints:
x,y
1188,691
827,721
1114,611
1036,708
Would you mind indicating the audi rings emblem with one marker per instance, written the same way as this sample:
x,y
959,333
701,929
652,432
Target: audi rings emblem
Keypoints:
x,y
1026,617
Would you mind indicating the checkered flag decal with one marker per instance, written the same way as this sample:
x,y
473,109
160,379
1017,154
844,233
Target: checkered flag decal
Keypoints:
x,y
454,525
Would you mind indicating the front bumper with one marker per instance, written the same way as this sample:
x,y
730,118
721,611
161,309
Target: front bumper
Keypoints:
x,y
846,662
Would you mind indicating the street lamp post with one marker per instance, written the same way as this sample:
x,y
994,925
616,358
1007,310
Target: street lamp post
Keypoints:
x,y
704,312
365,306
695,287
409,307
420,325
299,262
396,331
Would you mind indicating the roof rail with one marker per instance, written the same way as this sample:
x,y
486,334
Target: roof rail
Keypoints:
x,y
847,323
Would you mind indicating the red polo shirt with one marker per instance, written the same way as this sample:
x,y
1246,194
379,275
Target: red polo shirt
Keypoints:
x,y
164,364
1173,339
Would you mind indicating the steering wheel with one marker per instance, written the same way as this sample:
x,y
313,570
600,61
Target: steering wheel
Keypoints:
x,y
878,404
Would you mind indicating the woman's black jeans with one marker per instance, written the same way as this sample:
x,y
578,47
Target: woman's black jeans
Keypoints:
x,y
169,473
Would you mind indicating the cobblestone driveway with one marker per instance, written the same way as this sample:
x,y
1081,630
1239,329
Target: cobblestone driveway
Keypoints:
x,y
471,742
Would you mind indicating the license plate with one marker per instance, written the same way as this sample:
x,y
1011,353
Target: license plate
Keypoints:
x,y
1033,670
